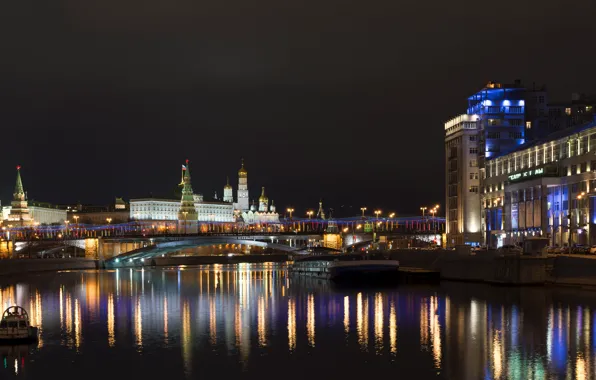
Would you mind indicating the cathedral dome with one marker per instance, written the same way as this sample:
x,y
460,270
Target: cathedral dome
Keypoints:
x,y
228,186
242,171
263,197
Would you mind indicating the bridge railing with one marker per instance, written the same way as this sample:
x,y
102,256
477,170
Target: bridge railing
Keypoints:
x,y
284,227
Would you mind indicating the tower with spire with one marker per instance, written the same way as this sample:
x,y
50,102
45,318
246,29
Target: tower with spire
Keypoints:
x,y
187,215
263,201
19,212
228,195
321,212
242,189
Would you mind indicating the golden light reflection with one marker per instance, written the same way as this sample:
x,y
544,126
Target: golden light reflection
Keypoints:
x,y
68,319
212,321
435,331
497,355
77,324
581,371
347,314
393,328
7,297
310,320
362,321
261,322
111,331
291,324
35,315
186,338
424,323
378,322
138,324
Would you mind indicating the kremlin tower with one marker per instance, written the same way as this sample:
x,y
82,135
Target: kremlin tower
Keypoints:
x,y
228,195
263,202
188,215
19,211
242,189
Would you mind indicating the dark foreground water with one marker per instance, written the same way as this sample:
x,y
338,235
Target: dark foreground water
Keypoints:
x,y
252,321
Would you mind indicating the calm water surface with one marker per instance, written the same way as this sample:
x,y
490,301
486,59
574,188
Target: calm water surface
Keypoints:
x,y
253,321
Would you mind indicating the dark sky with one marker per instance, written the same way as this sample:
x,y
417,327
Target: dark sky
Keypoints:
x,y
343,100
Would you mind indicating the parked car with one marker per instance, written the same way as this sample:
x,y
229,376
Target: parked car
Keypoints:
x,y
580,250
510,249
593,250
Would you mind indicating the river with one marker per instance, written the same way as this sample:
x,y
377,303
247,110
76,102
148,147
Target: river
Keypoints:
x,y
256,322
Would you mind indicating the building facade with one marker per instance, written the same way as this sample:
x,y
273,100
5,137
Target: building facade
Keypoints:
x,y
499,119
462,180
40,215
167,210
547,188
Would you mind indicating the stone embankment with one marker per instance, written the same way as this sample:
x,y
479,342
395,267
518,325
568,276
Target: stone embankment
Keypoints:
x,y
490,267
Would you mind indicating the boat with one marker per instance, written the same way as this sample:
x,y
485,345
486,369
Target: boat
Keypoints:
x,y
15,327
347,268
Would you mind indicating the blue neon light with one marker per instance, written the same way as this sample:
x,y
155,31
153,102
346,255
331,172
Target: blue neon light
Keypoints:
x,y
506,103
522,103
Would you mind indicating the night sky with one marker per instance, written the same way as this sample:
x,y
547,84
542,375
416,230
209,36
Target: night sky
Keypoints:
x,y
343,100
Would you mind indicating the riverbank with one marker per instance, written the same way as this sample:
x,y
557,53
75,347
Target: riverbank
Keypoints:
x,y
489,267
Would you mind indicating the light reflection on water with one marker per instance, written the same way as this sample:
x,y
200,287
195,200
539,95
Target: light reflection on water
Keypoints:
x,y
254,319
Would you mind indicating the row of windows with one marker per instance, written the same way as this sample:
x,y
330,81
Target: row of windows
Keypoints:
x,y
542,155
511,135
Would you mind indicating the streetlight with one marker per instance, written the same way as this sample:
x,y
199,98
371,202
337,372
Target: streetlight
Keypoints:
x,y
290,210
185,213
423,210
363,209
377,213
309,213
66,224
76,218
391,216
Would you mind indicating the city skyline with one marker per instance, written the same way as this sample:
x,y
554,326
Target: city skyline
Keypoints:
x,y
341,211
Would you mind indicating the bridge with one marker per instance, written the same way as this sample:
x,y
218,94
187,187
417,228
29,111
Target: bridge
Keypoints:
x,y
140,240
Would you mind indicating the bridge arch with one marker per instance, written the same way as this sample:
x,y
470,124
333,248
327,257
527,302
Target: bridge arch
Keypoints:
x,y
159,248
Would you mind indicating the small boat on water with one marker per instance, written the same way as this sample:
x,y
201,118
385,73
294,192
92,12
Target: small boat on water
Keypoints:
x,y
347,268
15,326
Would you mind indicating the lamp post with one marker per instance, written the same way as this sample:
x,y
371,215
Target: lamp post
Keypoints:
x,y
391,216
362,209
377,213
76,218
423,209
109,220
184,213
309,213
66,227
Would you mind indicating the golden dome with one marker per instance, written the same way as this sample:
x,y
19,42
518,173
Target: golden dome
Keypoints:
x,y
263,197
242,171
227,186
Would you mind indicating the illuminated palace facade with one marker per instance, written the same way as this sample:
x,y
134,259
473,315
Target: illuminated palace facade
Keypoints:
x,y
547,188
225,210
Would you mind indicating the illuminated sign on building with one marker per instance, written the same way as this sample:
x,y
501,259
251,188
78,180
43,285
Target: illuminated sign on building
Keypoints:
x,y
526,175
